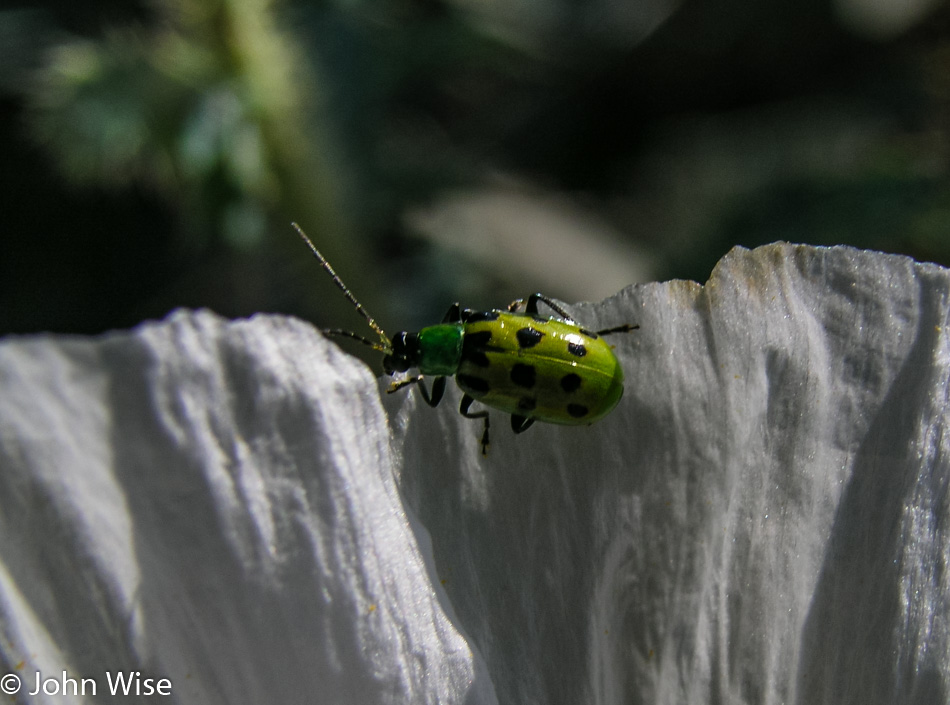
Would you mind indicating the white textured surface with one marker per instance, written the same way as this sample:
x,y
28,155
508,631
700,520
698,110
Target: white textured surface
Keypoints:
x,y
763,519
213,503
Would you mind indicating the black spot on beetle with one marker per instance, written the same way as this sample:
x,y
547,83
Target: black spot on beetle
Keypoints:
x,y
476,340
475,357
570,382
527,404
529,337
475,384
578,411
589,333
523,375
576,349
479,359
481,316
474,346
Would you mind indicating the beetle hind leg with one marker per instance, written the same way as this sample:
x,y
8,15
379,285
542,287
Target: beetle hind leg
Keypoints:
x,y
625,328
531,306
463,410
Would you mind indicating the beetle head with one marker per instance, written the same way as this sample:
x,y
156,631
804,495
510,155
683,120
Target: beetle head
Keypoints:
x,y
404,354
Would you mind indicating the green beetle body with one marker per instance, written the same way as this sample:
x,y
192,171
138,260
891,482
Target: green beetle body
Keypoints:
x,y
531,367
543,369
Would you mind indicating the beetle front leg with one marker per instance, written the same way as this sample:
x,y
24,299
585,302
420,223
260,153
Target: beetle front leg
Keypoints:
x,y
463,410
438,388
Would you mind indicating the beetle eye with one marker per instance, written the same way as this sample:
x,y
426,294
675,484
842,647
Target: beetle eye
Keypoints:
x,y
393,364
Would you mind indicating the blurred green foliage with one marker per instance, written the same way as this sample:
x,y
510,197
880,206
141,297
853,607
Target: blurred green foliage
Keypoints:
x,y
153,154
206,107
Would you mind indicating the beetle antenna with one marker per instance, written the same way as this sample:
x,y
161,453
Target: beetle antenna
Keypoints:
x,y
340,333
385,345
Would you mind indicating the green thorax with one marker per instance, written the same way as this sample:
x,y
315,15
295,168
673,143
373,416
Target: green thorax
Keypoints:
x,y
440,349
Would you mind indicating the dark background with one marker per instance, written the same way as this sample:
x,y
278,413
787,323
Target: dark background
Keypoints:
x,y
153,155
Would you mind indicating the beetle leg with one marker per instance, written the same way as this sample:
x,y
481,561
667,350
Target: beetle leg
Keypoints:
x,y
625,328
463,410
532,308
454,314
401,384
438,388
520,423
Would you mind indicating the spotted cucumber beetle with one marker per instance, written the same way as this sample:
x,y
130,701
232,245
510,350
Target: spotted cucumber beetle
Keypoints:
x,y
533,367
